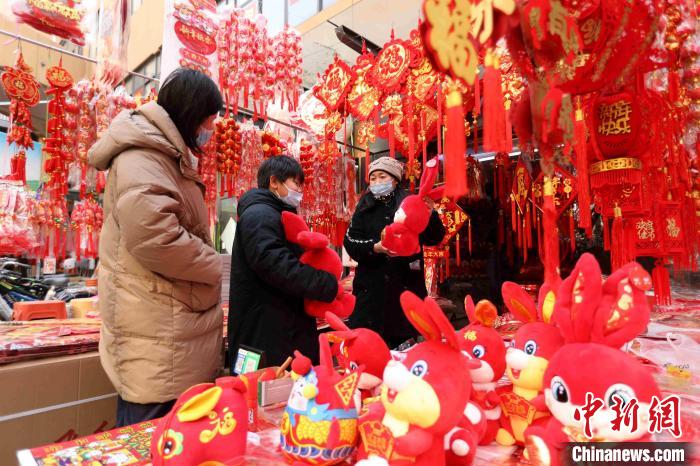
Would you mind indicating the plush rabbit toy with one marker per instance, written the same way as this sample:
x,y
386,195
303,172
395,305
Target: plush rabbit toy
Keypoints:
x,y
318,255
359,347
207,425
421,400
595,319
482,342
535,344
412,217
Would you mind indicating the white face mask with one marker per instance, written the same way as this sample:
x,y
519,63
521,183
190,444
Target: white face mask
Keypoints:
x,y
293,197
382,189
203,136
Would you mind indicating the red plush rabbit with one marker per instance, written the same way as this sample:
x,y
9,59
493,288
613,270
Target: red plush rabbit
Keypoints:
x,y
481,341
424,395
359,347
412,217
208,424
595,320
318,255
535,344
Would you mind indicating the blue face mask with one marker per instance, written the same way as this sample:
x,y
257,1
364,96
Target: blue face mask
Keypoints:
x,y
203,136
382,189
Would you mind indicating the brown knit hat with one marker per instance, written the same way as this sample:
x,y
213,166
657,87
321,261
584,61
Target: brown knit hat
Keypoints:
x,y
389,165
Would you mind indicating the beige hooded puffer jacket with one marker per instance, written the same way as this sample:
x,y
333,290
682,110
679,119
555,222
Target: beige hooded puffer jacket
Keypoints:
x,y
160,278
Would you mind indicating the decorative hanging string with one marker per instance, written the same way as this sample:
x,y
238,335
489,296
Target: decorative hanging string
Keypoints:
x,y
494,138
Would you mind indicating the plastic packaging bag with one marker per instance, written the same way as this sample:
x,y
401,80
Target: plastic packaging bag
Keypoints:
x,y
113,41
62,18
678,355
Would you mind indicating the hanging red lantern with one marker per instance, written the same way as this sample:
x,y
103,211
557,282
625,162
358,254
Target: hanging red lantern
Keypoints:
x,y
272,146
228,140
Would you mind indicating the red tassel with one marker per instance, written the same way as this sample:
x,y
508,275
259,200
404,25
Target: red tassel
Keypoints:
x,y
618,246
520,232
425,139
572,231
458,253
513,214
509,130
526,251
528,226
440,120
551,235
447,262
469,228
673,85
501,226
584,194
494,139
662,284
455,148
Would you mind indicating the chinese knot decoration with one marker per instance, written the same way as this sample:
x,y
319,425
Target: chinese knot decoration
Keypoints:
x,y
335,84
228,140
23,91
56,165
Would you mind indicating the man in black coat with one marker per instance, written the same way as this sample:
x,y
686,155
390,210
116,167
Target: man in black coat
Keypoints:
x,y
380,278
268,283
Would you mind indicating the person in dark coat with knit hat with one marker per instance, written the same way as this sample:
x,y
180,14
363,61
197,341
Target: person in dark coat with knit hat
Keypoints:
x,y
381,276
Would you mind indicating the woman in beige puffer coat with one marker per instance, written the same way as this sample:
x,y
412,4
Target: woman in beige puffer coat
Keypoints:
x,y
160,277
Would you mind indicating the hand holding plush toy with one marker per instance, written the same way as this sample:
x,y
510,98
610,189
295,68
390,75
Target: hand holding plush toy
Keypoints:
x,y
358,347
595,320
535,344
424,395
412,218
319,424
483,343
208,424
318,255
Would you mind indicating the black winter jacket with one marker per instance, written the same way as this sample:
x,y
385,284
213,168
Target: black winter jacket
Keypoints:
x,y
269,284
380,279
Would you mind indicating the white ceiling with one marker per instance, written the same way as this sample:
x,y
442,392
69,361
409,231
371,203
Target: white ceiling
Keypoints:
x,y
372,19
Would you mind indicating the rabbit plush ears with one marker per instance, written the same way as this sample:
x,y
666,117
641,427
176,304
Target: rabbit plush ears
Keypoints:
x,y
297,231
429,176
427,317
484,312
340,332
611,313
523,308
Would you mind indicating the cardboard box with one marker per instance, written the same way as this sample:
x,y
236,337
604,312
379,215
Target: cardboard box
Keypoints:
x,y
53,400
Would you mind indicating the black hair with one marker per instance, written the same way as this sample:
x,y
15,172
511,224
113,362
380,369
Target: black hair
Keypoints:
x,y
189,97
282,167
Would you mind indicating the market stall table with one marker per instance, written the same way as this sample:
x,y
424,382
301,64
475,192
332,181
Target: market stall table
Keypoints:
x,y
131,446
